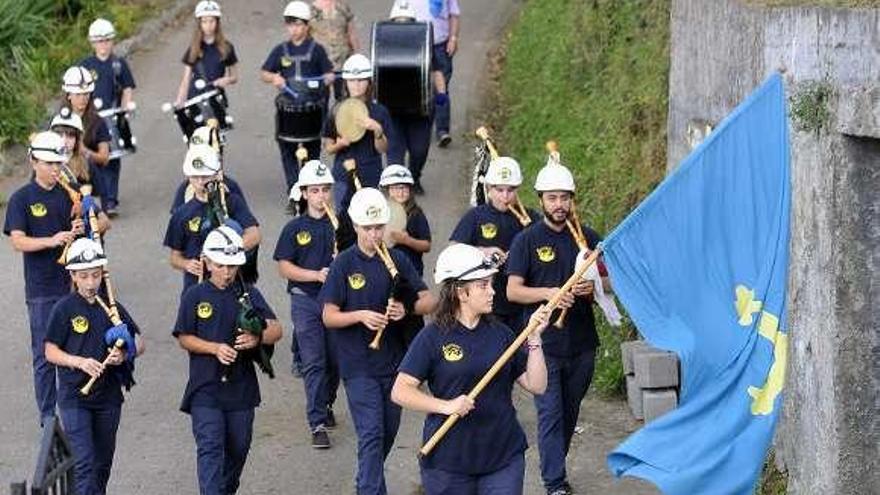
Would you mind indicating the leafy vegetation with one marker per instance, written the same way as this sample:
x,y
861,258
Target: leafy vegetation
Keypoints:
x,y
592,75
39,39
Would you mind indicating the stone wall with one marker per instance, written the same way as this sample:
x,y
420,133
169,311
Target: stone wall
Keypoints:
x,y
829,437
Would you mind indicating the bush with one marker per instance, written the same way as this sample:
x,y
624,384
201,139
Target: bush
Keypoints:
x,y
591,75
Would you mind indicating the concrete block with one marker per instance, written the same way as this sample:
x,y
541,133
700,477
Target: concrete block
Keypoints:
x,y
634,397
627,350
656,403
655,369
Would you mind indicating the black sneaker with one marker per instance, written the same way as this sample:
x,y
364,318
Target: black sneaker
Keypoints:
x,y
112,211
418,189
444,140
331,419
563,489
320,439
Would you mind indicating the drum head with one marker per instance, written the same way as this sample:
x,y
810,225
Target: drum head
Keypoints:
x,y
349,116
397,221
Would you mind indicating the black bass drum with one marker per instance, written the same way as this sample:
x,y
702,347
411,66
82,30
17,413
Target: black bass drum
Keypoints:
x,y
401,55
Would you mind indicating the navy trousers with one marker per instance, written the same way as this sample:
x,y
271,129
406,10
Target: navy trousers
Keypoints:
x,y
44,372
320,373
567,382
223,440
412,135
108,175
368,172
92,436
507,480
376,420
443,63
288,159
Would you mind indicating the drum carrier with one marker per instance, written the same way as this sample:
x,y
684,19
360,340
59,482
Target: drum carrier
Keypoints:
x,y
301,107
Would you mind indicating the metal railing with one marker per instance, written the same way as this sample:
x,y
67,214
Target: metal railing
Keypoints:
x,y
54,472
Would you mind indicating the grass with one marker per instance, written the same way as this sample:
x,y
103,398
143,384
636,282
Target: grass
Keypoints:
x,y
815,3
592,75
41,38
773,481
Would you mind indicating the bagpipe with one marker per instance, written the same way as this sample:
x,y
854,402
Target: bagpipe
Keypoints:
x,y
72,187
484,153
217,214
401,290
208,108
249,320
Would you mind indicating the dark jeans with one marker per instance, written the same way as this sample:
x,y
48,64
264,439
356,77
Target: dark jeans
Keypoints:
x,y
443,63
412,134
507,480
567,382
44,372
320,374
108,175
223,440
376,420
92,436
288,159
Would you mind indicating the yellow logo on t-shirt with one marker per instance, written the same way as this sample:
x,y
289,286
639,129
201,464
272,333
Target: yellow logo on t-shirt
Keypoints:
x,y
286,61
80,324
303,238
194,223
452,352
39,210
546,254
489,230
204,310
357,281
94,74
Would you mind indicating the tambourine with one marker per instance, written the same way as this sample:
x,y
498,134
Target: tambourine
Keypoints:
x,y
350,116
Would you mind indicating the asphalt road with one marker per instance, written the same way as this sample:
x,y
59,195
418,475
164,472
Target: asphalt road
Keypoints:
x,y
155,450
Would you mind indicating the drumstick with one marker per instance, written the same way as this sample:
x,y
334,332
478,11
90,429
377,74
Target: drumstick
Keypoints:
x,y
383,253
351,168
508,353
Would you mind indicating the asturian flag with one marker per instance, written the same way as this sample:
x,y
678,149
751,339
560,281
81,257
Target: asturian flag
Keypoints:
x,y
701,265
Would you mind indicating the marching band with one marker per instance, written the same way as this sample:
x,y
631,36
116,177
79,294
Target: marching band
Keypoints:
x,y
351,258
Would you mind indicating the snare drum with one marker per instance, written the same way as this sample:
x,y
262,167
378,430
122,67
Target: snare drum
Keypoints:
x,y
202,109
121,140
300,111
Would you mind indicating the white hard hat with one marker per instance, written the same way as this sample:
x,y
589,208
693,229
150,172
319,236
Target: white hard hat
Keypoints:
x,y
396,174
224,246
313,173
357,66
369,207
207,8
84,253
101,29
463,262
48,146
503,171
298,9
554,178
402,10
201,160
67,118
204,135
78,80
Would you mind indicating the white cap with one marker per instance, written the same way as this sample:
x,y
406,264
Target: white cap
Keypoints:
x,y
203,135
66,118
463,262
503,171
201,161
357,66
84,253
224,246
298,9
402,10
78,80
48,146
554,178
369,207
207,8
396,174
313,173
101,29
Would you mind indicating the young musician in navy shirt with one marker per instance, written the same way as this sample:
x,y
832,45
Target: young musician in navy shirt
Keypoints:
x,y
209,58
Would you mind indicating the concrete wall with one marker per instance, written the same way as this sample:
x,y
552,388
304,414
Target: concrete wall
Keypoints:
x,y
829,438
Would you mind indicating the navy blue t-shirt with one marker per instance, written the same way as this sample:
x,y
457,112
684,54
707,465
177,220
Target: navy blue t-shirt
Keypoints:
x,y
100,134
417,227
452,361
180,194
209,67
77,327
211,314
357,282
486,226
109,86
282,59
41,213
546,258
368,160
307,243
189,226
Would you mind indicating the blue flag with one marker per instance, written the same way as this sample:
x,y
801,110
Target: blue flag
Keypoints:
x,y
702,265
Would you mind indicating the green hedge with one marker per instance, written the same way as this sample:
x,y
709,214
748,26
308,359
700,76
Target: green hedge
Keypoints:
x,y
39,39
592,75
